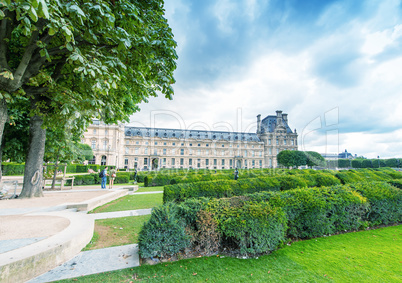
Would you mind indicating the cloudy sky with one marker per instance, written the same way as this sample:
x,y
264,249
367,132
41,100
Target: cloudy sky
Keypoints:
x,y
334,66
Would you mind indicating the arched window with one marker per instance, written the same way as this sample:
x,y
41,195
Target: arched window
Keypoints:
x,y
103,160
92,161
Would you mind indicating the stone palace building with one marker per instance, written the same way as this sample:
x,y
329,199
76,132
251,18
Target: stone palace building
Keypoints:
x,y
153,148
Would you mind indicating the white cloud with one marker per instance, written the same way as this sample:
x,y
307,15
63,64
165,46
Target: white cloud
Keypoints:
x,y
338,69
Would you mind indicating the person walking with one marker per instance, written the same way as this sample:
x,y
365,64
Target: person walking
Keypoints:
x,y
103,175
236,174
112,177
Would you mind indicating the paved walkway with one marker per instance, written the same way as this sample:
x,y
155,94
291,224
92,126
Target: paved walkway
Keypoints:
x,y
53,209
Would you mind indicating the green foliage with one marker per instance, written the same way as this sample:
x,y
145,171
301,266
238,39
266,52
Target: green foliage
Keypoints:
x,y
254,227
367,163
348,176
396,183
314,159
218,188
315,212
256,223
344,163
291,182
206,239
325,180
357,163
290,158
10,168
84,152
385,202
121,178
164,234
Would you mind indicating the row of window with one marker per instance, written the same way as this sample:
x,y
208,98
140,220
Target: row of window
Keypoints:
x,y
192,144
197,162
285,141
183,151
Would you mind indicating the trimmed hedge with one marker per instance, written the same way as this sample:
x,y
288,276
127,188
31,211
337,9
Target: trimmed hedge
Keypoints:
x,y
164,233
93,179
253,227
258,223
11,168
292,180
385,202
314,212
218,188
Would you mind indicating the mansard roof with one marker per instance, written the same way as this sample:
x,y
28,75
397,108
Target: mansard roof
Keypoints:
x,y
269,123
190,134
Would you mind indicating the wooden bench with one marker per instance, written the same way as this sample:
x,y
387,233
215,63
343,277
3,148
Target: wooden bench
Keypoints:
x,y
61,180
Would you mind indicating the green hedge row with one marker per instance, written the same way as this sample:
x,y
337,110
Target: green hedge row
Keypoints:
x,y
92,179
229,188
164,178
258,223
9,168
291,180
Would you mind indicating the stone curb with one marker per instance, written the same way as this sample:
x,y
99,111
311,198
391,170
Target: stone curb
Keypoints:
x,y
98,201
30,261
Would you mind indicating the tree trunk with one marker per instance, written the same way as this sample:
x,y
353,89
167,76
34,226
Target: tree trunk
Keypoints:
x,y
33,175
3,120
55,171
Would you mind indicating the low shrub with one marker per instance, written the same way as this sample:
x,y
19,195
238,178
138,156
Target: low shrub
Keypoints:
x,y
206,237
164,234
396,183
291,182
10,168
326,180
121,179
258,222
385,202
348,177
254,227
218,188
314,212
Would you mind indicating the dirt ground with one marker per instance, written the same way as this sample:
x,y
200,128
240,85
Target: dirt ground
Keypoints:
x,y
108,238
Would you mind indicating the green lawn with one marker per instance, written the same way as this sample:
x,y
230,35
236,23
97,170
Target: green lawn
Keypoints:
x,y
116,231
367,256
149,189
131,202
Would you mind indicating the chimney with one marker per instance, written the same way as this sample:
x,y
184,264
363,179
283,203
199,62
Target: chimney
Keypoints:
x,y
258,123
279,117
285,118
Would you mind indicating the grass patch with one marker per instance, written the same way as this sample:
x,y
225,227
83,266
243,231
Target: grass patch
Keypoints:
x,y
367,256
149,189
131,202
116,232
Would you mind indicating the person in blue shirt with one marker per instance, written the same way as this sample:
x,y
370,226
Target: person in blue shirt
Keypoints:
x,y
104,178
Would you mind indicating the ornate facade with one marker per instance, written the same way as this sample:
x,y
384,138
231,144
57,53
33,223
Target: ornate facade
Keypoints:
x,y
153,148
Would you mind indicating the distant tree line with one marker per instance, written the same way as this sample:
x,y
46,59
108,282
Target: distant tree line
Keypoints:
x,y
294,158
365,163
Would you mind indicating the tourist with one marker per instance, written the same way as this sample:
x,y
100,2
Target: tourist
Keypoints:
x,y
112,177
103,175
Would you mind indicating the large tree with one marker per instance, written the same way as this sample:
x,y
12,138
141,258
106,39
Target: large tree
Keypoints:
x,y
314,159
291,158
81,59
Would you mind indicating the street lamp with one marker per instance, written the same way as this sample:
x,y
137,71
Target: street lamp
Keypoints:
x,y
378,161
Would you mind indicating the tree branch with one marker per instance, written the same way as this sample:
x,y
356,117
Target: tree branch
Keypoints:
x,y
20,73
5,33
